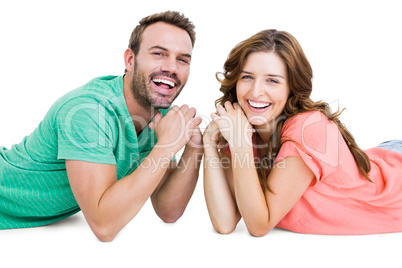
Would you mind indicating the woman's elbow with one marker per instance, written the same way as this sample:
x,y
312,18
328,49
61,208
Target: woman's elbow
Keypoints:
x,y
258,232
224,228
224,231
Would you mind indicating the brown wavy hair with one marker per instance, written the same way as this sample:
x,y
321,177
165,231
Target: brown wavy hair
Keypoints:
x,y
300,76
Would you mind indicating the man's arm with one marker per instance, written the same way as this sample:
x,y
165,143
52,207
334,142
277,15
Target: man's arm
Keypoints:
x,y
107,204
171,197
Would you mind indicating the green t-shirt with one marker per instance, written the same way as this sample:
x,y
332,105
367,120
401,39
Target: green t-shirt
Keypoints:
x,y
91,124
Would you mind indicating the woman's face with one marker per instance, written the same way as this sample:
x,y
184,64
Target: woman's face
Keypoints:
x,y
262,88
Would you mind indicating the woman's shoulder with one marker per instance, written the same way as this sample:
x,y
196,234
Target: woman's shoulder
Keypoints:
x,y
306,119
309,126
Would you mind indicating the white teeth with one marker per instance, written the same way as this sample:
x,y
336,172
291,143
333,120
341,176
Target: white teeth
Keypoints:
x,y
259,104
169,83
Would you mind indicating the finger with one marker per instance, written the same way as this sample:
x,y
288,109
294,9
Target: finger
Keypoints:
x,y
228,106
184,108
193,124
220,109
197,121
221,143
236,105
190,113
155,121
174,108
215,135
215,117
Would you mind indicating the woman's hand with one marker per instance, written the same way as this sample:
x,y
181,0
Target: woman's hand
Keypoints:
x,y
233,125
212,137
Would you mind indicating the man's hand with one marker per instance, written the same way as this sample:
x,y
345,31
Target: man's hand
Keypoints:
x,y
196,139
177,128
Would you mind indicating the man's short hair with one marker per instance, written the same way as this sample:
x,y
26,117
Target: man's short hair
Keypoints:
x,y
171,17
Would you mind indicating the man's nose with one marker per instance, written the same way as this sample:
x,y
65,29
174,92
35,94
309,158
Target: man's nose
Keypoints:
x,y
169,65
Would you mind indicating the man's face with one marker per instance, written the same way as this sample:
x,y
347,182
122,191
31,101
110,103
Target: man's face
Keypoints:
x,y
162,65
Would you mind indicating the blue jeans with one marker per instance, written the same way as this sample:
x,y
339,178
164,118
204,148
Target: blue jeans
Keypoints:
x,y
393,145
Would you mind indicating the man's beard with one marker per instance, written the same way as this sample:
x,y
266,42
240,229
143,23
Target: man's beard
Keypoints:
x,y
142,91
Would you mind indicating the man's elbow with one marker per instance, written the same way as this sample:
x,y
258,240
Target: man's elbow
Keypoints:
x,y
171,217
104,233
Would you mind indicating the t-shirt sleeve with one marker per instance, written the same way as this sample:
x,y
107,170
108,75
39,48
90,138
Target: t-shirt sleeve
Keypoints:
x,y
314,138
86,131
291,148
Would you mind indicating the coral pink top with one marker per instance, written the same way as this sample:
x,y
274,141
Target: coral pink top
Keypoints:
x,y
341,200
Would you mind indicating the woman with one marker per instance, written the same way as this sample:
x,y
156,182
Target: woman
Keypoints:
x,y
289,162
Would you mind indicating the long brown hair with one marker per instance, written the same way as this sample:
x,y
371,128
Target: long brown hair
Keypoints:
x,y
300,76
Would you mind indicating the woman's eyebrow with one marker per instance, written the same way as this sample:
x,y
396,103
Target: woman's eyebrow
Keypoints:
x,y
273,75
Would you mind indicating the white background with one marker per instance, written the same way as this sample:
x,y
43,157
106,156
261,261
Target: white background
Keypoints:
x,y
48,48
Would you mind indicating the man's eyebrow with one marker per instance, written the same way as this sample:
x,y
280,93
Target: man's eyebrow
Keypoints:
x,y
158,47
165,49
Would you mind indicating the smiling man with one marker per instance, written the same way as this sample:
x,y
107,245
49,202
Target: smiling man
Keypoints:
x,y
108,146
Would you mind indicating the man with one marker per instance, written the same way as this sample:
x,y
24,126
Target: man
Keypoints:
x,y
108,146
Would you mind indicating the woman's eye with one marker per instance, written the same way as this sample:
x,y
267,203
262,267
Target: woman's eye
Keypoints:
x,y
272,81
246,77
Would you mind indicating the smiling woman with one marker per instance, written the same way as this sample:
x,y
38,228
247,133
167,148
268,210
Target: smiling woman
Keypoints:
x,y
262,89
293,164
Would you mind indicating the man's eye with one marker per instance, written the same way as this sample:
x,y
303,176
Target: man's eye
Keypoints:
x,y
183,60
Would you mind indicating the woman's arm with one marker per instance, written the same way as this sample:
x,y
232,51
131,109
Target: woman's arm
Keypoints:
x,y
262,210
221,205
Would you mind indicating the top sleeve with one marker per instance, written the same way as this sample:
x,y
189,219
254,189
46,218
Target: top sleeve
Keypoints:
x,y
314,138
86,131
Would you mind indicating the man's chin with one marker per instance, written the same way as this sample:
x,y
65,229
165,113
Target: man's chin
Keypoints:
x,y
161,106
161,103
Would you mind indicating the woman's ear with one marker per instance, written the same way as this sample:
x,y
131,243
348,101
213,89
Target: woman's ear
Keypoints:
x,y
129,59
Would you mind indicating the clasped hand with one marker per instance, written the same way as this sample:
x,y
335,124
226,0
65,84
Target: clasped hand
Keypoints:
x,y
179,127
231,123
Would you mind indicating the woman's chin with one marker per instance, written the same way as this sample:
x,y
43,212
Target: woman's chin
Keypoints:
x,y
258,122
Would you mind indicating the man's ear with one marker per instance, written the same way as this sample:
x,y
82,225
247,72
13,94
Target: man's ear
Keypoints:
x,y
129,58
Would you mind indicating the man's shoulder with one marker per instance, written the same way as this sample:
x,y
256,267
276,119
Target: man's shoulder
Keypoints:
x,y
100,88
104,85
100,92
